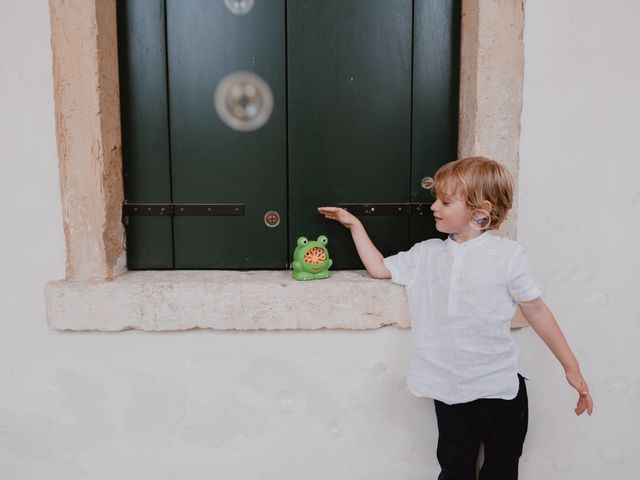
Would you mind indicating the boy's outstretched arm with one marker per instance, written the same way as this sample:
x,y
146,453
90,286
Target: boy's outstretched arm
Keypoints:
x,y
543,322
369,254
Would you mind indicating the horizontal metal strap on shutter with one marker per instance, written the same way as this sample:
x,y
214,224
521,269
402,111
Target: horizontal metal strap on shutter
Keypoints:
x,y
386,208
180,209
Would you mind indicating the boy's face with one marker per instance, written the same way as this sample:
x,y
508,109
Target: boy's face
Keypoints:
x,y
452,214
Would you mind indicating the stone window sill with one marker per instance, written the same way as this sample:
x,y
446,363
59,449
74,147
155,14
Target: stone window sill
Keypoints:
x,y
225,300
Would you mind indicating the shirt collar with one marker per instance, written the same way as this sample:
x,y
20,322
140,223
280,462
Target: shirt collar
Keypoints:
x,y
474,242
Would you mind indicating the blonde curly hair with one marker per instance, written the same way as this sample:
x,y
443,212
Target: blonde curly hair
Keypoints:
x,y
477,179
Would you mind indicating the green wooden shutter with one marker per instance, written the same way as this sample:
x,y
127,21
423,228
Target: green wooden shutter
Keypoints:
x,y
365,105
349,77
436,60
145,130
212,163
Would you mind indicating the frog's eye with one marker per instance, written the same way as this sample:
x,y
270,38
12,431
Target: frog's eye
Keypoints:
x,y
323,240
302,241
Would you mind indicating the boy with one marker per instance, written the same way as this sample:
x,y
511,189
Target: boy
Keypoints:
x,y
462,294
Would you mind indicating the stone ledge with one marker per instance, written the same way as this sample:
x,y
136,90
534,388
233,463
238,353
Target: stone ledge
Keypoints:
x,y
225,300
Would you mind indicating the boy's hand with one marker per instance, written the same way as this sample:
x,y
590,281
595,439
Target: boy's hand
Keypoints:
x,y
339,214
575,379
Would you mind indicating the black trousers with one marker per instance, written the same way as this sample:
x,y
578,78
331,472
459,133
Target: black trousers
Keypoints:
x,y
500,425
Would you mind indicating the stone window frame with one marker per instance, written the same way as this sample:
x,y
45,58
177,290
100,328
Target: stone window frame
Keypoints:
x,y
99,293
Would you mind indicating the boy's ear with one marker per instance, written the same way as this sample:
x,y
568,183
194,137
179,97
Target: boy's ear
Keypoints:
x,y
486,205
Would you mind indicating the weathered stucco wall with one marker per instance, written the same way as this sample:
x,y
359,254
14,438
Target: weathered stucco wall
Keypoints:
x,y
331,404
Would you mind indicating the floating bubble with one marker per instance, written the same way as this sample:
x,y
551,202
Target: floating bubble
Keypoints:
x,y
618,386
244,396
635,203
560,275
583,229
335,430
427,183
378,369
543,289
10,73
594,298
480,220
239,7
634,398
562,461
553,222
355,403
611,454
580,275
286,402
632,357
244,101
315,356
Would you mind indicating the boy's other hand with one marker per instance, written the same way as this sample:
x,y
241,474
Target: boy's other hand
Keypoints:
x,y
339,214
575,379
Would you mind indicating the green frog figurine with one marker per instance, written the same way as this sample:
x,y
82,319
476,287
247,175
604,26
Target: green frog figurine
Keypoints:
x,y
311,259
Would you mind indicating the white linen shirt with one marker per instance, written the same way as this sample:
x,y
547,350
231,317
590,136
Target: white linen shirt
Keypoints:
x,y
461,299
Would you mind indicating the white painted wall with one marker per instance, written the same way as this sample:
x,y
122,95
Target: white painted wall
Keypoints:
x,y
579,219
332,404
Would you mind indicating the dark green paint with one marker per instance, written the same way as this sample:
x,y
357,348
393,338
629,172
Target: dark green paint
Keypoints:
x,y
349,77
436,62
362,112
145,129
211,163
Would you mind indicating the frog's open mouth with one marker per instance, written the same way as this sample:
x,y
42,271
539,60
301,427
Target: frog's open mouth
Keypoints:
x,y
314,256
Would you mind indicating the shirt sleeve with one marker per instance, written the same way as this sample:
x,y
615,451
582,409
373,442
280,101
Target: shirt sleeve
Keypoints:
x,y
404,265
522,284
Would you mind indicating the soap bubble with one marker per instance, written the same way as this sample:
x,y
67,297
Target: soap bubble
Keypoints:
x,y
543,289
632,357
611,454
618,386
635,203
480,219
634,398
580,275
245,396
427,183
560,275
315,356
244,101
10,73
355,403
286,402
378,369
239,7
562,461
594,298
553,222
335,430
583,229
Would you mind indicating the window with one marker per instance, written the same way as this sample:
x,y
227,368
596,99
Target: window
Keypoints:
x,y
364,105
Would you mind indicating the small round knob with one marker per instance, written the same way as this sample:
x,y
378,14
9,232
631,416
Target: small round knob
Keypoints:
x,y
272,219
